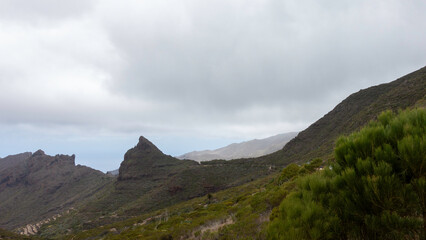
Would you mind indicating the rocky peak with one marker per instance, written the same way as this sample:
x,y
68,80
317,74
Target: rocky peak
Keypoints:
x,y
145,151
146,146
39,158
38,153
143,160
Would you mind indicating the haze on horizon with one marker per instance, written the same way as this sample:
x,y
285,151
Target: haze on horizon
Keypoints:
x,y
88,77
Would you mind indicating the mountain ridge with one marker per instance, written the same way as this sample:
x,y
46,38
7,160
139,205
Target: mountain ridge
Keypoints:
x,y
246,149
351,114
37,186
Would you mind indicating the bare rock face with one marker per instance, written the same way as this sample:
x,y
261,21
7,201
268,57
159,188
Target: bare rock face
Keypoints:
x,y
144,145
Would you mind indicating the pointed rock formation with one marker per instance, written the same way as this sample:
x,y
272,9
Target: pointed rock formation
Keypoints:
x,y
146,160
144,145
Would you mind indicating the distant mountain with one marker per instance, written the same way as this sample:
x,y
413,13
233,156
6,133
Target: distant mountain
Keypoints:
x,y
37,186
248,149
113,172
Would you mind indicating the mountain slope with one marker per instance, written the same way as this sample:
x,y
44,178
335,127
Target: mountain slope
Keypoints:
x,y
349,115
36,186
248,149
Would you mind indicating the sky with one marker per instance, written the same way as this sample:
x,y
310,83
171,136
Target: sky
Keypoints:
x,y
88,77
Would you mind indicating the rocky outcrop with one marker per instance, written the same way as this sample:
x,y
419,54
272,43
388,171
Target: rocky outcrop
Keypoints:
x,y
149,179
32,229
37,167
41,186
146,161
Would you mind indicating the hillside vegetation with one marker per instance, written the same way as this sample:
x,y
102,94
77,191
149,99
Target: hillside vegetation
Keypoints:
x,y
374,190
237,213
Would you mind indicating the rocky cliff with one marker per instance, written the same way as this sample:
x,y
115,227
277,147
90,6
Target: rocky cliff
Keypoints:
x,y
37,186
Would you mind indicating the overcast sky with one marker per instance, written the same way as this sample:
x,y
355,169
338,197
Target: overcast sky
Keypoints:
x,y
88,77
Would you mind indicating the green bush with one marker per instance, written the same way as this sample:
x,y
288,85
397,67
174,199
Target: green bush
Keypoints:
x,y
374,190
288,173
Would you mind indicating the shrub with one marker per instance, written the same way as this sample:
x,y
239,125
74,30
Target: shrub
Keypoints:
x,y
374,190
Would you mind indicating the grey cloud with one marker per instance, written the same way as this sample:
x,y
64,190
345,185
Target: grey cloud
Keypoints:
x,y
227,56
43,11
160,66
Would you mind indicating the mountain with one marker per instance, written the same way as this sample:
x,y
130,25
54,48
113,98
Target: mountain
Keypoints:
x,y
34,187
248,149
354,112
317,141
149,180
113,172
243,211
255,210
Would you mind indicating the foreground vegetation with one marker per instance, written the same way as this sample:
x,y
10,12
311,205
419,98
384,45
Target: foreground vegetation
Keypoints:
x,y
238,213
375,189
